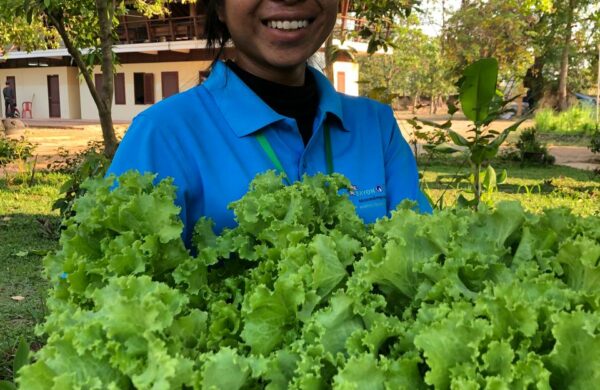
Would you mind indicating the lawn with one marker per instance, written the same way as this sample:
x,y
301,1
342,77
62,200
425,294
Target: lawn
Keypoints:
x,y
536,187
28,227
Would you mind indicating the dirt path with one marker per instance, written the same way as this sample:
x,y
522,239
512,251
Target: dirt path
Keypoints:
x,y
49,141
75,139
573,156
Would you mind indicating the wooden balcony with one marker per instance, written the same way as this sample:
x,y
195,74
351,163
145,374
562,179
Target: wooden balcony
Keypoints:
x,y
136,29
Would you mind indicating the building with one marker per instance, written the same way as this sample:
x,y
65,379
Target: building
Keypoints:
x,y
157,57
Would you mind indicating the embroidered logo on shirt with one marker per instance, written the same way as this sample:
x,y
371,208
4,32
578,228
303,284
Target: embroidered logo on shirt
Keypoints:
x,y
369,194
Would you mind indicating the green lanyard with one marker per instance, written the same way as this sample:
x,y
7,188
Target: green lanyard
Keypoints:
x,y
266,145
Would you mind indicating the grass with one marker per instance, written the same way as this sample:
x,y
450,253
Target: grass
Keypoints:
x,y
26,225
579,119
536,187
27,222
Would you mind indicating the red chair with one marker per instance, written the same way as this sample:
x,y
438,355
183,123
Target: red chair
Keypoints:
x,y
27,107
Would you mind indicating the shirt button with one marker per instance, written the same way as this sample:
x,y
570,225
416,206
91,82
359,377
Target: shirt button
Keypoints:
x,y
304,165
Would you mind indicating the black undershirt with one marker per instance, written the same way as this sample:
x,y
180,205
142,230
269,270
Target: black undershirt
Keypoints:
x,y
299,103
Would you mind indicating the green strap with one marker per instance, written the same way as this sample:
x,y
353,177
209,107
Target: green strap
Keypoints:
x,y
266,145
328,153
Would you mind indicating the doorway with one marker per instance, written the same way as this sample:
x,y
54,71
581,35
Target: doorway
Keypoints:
x,y
54,96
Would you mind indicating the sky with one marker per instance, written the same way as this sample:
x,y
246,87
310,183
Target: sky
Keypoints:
x,y
432,14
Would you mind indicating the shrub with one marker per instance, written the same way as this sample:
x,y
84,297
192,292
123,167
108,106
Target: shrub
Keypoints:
x,y
531,149
578,119
13,150
595,141
88,163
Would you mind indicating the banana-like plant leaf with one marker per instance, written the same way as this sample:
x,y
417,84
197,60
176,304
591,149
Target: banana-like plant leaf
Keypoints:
x,y
478,89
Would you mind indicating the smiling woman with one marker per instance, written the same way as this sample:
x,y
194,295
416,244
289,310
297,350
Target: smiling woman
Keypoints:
x,y
275,38
268,109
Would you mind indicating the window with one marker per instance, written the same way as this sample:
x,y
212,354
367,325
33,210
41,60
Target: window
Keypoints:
x,y
143,87
118,86
170,83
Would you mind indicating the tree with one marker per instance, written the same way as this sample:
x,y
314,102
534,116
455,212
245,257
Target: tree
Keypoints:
x,y
416,67
376,19
87,30
495,28
563,40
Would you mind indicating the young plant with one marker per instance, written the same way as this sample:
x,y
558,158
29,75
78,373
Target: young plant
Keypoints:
x,y
482,103
21,359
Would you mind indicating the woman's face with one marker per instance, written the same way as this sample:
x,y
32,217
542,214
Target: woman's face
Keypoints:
x,y
274,38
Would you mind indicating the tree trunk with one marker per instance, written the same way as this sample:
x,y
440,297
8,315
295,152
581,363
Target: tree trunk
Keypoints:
x,y
105,17
563,79
329,57
534,82
108,133
415,103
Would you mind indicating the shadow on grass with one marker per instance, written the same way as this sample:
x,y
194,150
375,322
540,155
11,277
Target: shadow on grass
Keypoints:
x,y
515,170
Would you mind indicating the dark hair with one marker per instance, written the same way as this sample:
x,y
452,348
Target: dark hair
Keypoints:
x,y
217,33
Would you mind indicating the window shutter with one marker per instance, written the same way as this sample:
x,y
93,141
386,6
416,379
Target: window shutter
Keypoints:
x,y
148,88
119,88
170,83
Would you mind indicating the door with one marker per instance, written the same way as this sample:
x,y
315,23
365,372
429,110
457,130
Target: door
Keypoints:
x,y
13,84
170,83
54,96
11,81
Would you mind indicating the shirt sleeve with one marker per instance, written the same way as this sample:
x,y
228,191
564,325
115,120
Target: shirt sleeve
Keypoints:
x,y
148,148
402,175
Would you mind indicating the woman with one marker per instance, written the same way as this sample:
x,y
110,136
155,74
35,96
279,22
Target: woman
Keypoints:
x,y
269,110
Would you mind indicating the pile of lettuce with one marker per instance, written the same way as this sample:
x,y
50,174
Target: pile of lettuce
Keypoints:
x,y
304,295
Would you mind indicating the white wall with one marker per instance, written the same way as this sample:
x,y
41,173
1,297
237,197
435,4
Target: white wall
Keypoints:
x,y
32,85
74,95
351,71
188,78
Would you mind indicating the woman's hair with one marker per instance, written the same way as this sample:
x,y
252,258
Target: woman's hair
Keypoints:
x,y
217,33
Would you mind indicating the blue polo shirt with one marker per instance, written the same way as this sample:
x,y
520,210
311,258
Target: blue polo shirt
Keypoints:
x,y
205,139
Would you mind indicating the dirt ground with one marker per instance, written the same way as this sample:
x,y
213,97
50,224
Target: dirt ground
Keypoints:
x,y
76,137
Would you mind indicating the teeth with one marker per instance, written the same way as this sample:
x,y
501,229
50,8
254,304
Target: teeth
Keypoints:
x,y
287,24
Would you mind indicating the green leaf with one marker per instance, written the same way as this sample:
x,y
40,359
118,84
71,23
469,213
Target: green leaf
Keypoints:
x,y
224,370
6,385
478,88
489,179
502,178
574,361
21,356
449,148
458,139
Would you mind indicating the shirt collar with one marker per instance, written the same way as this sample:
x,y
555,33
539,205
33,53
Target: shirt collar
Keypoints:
x,y
246,113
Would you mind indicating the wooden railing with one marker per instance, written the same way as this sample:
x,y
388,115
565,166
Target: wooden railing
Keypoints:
x,y
137,29
134,29
346,23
